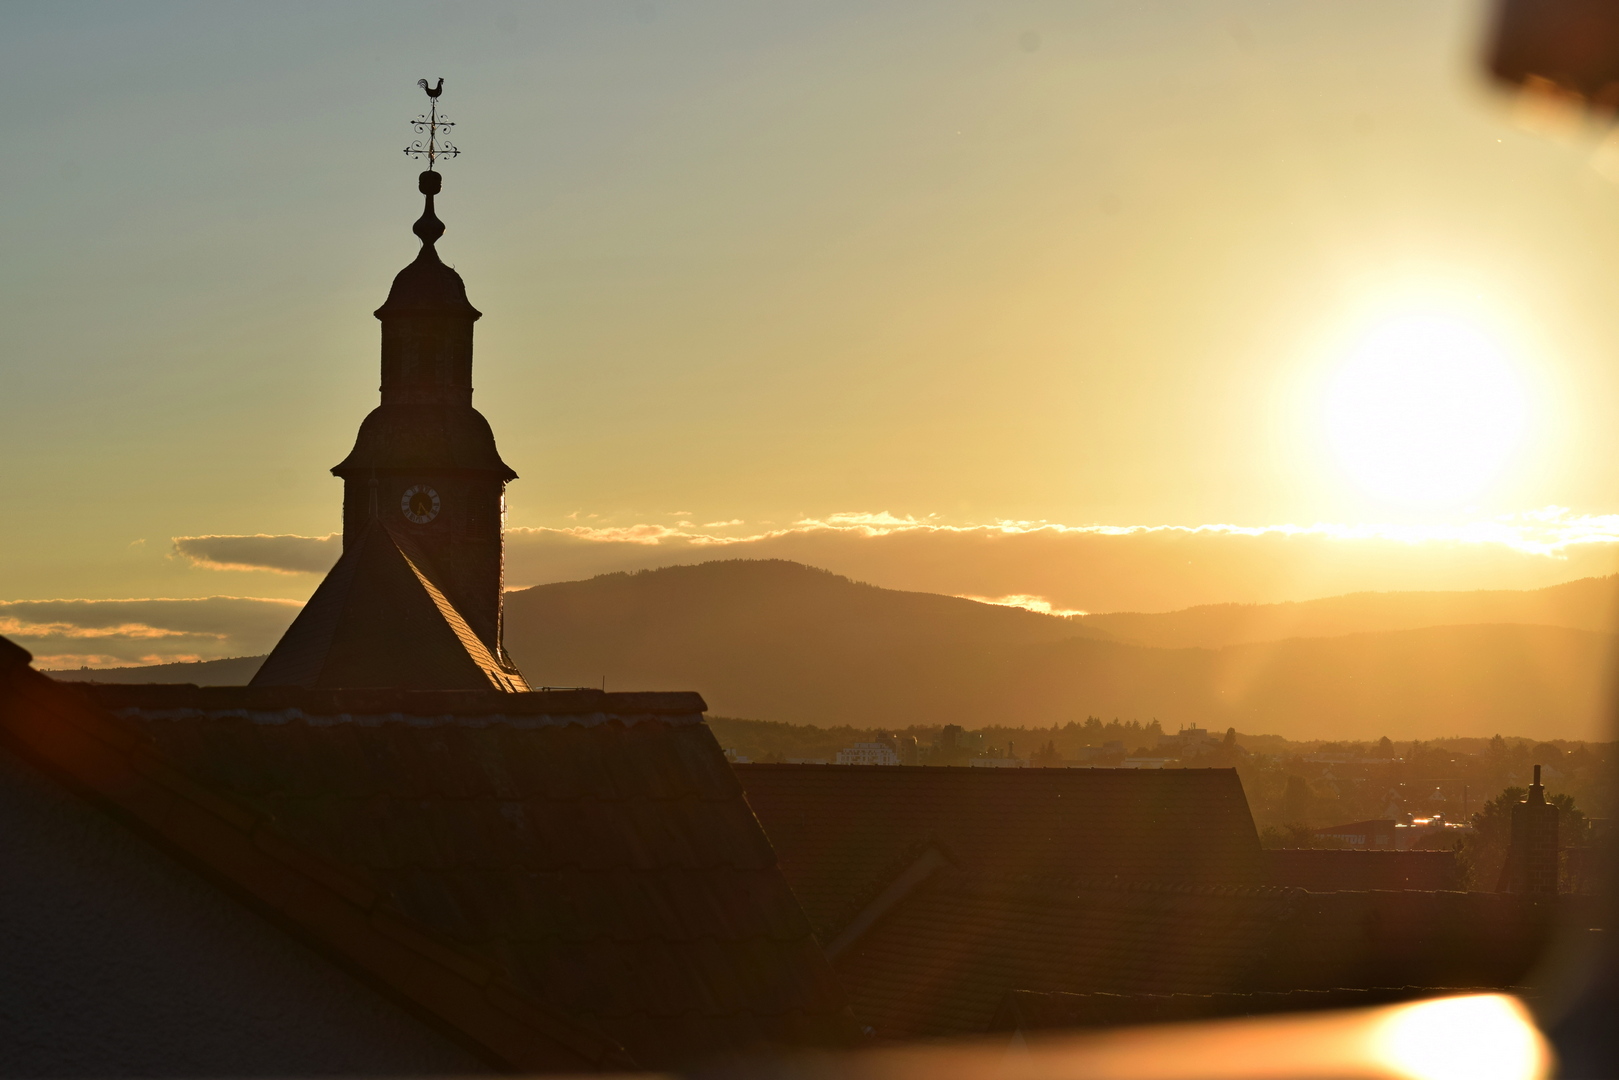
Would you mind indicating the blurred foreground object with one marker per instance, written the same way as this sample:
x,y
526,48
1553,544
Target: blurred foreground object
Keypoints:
x,y
1566,49
1474,1037
1565,55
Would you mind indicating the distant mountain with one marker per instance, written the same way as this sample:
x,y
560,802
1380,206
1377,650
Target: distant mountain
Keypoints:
x,y
767,628
234,671
781,641
1586,604
777,640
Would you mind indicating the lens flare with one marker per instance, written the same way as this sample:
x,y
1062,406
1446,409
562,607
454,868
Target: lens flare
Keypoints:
x,y
1479,1037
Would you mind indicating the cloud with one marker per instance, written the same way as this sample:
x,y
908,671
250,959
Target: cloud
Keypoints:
x,y
284,554
115,633
1045,565
1098,568
1027,603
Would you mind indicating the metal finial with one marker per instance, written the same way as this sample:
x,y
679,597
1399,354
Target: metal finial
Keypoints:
x,y
434,127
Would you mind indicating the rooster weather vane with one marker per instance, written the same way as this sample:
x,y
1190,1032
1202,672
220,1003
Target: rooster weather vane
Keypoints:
x,y
433,128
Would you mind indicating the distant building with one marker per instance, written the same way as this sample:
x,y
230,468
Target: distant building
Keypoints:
x,y
1429,832
1378,833
1189,741
1149,762
868,753
1531,865
998,763
1113,749
904,746
1347,759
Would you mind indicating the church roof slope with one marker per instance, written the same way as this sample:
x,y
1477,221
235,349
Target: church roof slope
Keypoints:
x,y
594,848
843,832
379,620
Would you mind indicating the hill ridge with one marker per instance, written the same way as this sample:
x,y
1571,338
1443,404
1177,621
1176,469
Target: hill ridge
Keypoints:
x,y
779,640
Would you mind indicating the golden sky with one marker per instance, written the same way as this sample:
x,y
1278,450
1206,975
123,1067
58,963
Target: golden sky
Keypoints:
x,y
1091,264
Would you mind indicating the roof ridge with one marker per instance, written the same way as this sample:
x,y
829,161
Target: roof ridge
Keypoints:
x,y
111,763
529,721
261,703
985,881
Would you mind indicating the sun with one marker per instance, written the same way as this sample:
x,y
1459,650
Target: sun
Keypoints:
x,y
1426,410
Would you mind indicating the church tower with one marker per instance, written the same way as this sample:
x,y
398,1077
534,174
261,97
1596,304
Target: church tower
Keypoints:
x,y
415,601
425,456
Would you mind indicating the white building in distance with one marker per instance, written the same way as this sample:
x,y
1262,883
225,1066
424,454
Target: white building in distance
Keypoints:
x,y
868,753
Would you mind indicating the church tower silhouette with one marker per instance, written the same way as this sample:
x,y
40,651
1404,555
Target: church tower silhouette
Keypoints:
x,y
415,601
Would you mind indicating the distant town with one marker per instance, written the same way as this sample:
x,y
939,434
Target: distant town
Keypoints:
x,y
1442,795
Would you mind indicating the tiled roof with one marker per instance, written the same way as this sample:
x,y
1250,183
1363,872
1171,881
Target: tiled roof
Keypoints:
x,y
378,619
941,963
591,850
1338,870
340,913
842,832
1350,939
605,860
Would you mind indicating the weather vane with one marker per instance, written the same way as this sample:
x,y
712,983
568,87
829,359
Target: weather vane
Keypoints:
x,y
434,127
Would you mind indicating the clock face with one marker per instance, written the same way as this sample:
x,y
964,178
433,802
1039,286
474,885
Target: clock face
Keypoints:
x,y
420,504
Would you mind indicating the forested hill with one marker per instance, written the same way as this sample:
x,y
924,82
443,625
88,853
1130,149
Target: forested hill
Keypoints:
x,y
1586,604
232,671
777,640
781,641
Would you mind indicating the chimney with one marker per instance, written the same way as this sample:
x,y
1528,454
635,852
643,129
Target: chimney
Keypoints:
x,y
1532,861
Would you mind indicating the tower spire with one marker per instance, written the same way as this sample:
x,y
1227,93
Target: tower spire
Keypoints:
x,y
432,142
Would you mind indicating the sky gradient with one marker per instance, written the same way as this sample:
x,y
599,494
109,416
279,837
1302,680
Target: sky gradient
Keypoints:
x,y
763,264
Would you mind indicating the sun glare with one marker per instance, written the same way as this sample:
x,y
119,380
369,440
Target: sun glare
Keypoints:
x,y
1426,411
